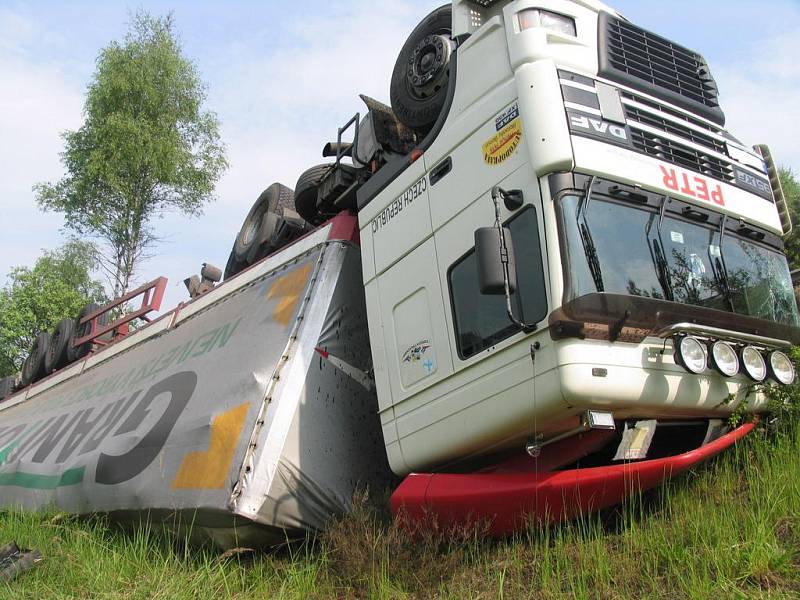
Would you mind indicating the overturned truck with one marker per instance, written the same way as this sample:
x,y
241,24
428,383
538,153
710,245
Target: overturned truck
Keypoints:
x,y
542,279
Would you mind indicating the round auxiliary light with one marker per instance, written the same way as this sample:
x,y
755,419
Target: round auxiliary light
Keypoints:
x,y
753,364
691,354
781,368
724,358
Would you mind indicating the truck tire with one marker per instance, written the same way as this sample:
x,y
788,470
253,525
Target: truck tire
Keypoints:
x,y
233,266
78,331
35,362
420,77
6,387
255,229
24,376
305,193
56,356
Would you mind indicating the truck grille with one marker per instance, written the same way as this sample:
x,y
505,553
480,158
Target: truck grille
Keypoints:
x,y
653,64
671,112
636,114
681,155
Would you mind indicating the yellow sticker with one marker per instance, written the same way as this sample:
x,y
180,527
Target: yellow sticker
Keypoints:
x,y
289,289
503,144
208,469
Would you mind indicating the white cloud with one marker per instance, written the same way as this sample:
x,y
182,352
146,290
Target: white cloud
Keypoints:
x,y
279,108
761,96
37,103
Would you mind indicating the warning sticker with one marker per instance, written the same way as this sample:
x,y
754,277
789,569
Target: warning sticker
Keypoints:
x,y
505,142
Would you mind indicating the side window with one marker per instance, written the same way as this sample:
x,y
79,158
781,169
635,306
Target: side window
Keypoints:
x,y
481,320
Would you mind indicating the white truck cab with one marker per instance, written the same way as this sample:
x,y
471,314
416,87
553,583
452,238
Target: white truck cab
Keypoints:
x,y
642,222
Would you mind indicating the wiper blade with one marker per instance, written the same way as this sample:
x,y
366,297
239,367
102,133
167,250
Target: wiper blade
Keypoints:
x,y
722,279
662,270
591,256
657,253
586,237
721,272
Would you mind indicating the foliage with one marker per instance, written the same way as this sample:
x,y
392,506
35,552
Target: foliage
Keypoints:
x,y
791,189
34,300
146,147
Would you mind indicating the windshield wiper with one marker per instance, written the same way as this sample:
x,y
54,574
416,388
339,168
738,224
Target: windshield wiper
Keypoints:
x,y
719,267
586,237
662,270
657,253
591,256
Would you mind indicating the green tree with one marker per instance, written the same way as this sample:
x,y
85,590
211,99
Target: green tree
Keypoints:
x,y
146,147
34,300
791,189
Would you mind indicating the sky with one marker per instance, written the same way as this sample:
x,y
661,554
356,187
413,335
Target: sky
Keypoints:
x,y
283,76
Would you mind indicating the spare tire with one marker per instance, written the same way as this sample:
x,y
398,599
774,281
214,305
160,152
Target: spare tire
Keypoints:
x,y
306,192
233,266
421,74
56,356
78,331
6,387
35,363
257,230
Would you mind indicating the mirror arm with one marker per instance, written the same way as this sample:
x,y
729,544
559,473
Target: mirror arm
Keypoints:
x,y
497,193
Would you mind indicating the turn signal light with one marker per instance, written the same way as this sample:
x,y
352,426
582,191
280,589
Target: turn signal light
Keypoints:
x,y
536,17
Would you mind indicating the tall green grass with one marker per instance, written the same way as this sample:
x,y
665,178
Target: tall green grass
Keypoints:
x,y
728,530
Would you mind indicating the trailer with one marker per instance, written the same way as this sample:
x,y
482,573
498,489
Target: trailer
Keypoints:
x,y
226,416
540,281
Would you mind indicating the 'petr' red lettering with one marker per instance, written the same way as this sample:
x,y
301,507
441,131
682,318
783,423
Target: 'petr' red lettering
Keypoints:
x,y
670,178
697,186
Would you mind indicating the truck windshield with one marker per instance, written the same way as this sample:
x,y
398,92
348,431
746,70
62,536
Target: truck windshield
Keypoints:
x,y
635,251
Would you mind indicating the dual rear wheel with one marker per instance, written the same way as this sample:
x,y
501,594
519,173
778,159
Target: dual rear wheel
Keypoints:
x,y
56,350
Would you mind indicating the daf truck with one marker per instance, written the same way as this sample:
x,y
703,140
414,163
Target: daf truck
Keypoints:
x,y
539,281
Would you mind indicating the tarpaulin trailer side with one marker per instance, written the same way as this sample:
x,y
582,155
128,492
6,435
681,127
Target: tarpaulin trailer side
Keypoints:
x,y
232,417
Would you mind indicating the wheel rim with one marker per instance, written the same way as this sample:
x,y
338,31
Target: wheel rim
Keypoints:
x,y
427,65
249,233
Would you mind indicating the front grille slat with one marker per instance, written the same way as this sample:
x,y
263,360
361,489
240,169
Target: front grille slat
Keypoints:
x,y
656,73
687,66
689,158
653,64
640,116
674,86
669,111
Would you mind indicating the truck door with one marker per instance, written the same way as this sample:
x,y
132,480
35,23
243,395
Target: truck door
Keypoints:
x,y
409,295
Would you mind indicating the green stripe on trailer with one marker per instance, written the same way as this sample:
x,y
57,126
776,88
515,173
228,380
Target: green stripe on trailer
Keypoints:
x,y
43,482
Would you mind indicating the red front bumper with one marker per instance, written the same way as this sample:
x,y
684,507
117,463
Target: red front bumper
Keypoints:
x,y
511,495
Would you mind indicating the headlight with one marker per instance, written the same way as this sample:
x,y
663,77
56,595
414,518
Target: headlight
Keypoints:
x,y
754,364
691,354
724,358
536,17
781,368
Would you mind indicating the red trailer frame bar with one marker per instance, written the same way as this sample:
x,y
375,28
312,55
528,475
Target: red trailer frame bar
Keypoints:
x,y
152,294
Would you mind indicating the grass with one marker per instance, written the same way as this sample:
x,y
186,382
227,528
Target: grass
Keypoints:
x,y
728,530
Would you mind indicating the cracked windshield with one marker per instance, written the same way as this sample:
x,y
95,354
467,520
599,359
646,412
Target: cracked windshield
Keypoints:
x,y
622,249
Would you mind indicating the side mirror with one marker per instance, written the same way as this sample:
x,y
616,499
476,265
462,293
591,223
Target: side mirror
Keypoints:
x,y
489,259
